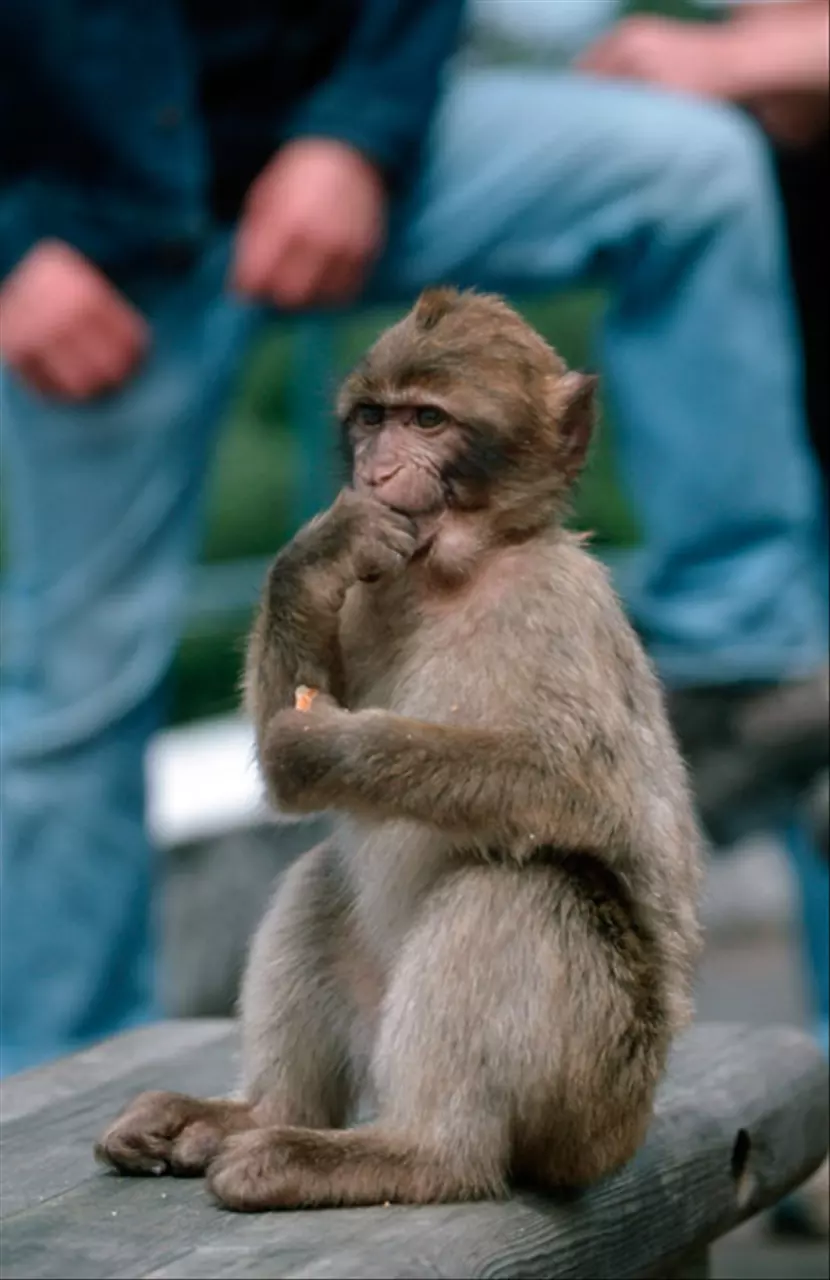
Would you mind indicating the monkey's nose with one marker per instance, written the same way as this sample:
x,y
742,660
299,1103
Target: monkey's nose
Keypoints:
x,y
382,475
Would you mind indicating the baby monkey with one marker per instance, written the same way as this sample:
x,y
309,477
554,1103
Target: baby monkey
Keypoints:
x,y
498,944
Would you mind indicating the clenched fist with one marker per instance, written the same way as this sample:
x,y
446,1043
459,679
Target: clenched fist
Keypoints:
x,y
379,541
313,224
690,57
64,328
770,58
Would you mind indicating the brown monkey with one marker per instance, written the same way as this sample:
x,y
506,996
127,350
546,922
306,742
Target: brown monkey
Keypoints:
x,y
500,939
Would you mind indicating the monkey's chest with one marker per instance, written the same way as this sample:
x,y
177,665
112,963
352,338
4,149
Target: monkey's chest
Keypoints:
x,y
444,674
390,867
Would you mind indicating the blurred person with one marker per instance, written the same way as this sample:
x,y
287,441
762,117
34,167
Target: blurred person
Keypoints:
x,y
772,58
176,169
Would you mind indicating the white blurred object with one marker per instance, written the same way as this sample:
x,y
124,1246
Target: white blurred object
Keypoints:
x,y
202,782
750,886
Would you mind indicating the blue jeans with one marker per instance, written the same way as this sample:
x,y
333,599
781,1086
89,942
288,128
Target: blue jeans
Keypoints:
x,y
535,180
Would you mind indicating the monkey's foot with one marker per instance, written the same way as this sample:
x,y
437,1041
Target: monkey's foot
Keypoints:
x,y
264,1169
293,1168
170,1133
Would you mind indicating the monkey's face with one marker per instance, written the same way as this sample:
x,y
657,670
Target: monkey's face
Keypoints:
x,y
462,407
405,453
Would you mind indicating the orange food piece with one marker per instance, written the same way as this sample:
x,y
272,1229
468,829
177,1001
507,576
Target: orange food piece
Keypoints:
x,y
303,697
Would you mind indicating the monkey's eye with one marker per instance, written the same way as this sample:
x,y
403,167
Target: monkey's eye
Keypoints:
x,y
368,415
429,417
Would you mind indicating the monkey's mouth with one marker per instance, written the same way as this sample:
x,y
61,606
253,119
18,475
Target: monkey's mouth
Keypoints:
x,y
426,516
427,523
418,513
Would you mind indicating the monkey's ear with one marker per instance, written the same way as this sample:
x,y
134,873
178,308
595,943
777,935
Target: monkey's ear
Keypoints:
x,y
576,410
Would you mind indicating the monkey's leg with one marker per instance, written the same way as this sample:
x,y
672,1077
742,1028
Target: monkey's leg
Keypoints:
x,y
442,1069
309,999
297,1038
284,1168
521,1035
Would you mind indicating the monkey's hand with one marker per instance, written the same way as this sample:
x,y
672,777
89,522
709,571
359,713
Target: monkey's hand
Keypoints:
x,y
301,746
375,541
358,539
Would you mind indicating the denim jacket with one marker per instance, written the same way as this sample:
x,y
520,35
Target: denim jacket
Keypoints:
x,y
102,142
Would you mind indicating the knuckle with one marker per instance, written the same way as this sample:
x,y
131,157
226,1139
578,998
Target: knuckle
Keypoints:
x,y
196,1146
103,1152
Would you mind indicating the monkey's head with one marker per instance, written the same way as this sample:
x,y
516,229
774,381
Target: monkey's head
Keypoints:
x,y
462,407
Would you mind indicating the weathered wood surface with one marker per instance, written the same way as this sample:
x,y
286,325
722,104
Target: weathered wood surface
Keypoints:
x,y
741,1120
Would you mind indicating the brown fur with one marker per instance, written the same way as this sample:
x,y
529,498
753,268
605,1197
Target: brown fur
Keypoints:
x,y
499,942
171,1133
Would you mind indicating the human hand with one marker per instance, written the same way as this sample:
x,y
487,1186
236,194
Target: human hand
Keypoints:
x,y
313,223
64,328
691,57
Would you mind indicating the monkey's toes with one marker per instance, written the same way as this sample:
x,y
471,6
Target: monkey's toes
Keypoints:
x,y
195,1147
159,1133
249,1174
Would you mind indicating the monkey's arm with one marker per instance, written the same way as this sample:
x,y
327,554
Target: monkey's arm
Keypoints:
x,y
295,639
505,785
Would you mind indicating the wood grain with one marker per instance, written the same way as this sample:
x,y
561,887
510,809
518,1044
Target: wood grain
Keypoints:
x,y
740,1120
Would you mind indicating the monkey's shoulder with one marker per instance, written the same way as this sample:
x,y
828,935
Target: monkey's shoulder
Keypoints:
x,y
576,567
564,594
572,590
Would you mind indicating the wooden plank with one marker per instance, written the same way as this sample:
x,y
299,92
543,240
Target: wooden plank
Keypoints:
x,y
698,1266
690,1183
151,1047
51,1113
